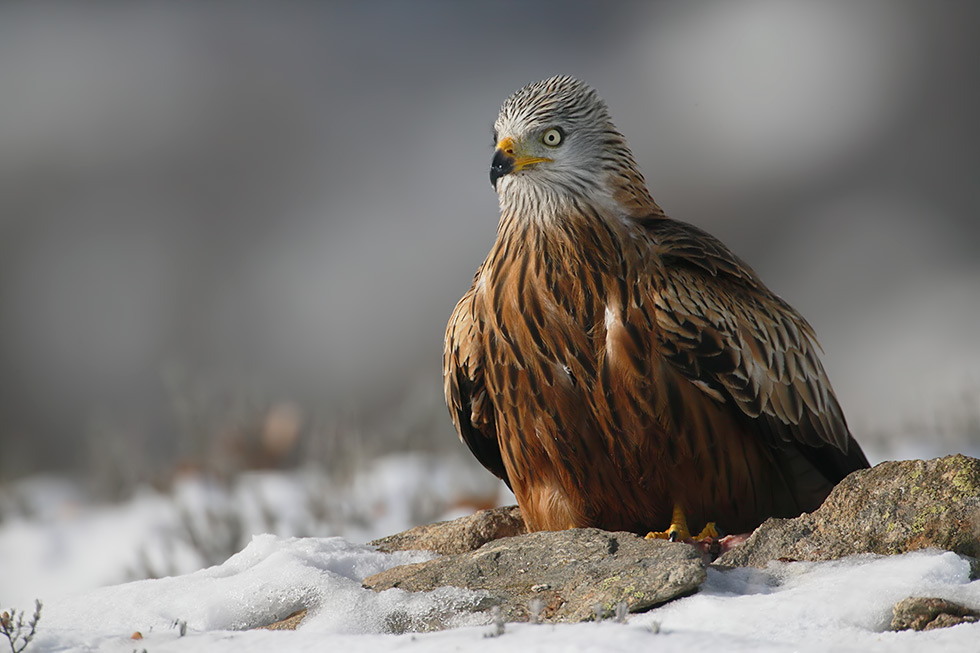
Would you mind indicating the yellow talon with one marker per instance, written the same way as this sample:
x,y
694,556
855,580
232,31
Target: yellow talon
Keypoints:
x,y
678,530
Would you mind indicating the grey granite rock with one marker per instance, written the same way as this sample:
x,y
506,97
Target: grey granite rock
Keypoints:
x,y
921,613
892,508
574,574
457,536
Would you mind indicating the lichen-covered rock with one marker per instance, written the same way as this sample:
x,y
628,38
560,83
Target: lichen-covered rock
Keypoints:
x,y
459,535
892,508
571,572
921,613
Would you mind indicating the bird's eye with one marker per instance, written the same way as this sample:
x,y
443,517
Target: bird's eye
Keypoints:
x,y
552,137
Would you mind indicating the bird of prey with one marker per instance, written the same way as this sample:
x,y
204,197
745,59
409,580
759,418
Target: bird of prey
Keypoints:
x,y
623,370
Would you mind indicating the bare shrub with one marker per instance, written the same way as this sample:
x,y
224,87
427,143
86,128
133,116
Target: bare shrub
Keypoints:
x,y
19,632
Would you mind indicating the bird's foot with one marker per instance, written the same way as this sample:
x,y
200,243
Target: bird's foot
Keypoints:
x,y
678,530
679,533
708,542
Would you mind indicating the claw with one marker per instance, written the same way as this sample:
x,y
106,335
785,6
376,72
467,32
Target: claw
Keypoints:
x,y
678,530
708,541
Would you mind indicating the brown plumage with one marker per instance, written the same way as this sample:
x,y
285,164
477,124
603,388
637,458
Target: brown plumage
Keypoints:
x,y
610,362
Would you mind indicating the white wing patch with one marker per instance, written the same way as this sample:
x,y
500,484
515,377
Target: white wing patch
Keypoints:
x,y
708,390
612,322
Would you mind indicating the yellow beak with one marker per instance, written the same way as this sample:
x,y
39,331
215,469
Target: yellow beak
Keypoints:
x,y
507,159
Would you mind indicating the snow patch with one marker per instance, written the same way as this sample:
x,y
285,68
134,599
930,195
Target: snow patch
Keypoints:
x,y
270,579
842,605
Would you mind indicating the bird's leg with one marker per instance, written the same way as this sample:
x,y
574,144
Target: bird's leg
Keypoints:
x,y
676,531
679,532
709,530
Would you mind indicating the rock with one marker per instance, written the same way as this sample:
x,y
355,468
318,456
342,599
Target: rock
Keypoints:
x,y
570,572
458,536
892,508
291,622
920,613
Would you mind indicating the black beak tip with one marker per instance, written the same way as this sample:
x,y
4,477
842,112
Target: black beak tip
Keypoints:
x,y
502,164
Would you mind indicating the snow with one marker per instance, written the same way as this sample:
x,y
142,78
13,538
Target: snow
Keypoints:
x,y
76,547
270,579
74,556
841,605
57,542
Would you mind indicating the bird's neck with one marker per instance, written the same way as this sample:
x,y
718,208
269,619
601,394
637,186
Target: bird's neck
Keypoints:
x,y
612,195
630,193
561,238
547,219
549,268
560,248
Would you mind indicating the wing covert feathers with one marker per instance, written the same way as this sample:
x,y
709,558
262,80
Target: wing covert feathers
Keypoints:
x,y
471,409
720,326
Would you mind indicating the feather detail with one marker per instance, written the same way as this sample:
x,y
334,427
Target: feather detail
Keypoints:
x,y
609,362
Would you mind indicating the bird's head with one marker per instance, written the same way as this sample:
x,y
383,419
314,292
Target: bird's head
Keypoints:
x,y
554,140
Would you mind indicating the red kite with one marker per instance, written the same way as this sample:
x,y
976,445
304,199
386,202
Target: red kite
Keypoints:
x,y
621,369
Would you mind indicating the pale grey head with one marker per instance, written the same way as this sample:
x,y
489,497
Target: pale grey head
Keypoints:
x,y
555,143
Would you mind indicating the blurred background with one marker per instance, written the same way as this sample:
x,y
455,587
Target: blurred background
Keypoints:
x,y
231,234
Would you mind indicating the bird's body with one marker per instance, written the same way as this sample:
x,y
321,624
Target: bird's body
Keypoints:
x,y
611,364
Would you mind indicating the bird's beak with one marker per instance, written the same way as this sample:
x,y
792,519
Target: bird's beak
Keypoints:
x,y
507,159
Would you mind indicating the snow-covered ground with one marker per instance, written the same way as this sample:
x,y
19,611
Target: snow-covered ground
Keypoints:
x,y
844,605
54,541
75,557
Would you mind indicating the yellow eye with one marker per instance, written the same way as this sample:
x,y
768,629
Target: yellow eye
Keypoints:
x,y
552,137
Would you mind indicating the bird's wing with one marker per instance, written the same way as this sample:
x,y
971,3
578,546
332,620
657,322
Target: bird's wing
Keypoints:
x,y
723,330
466,394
